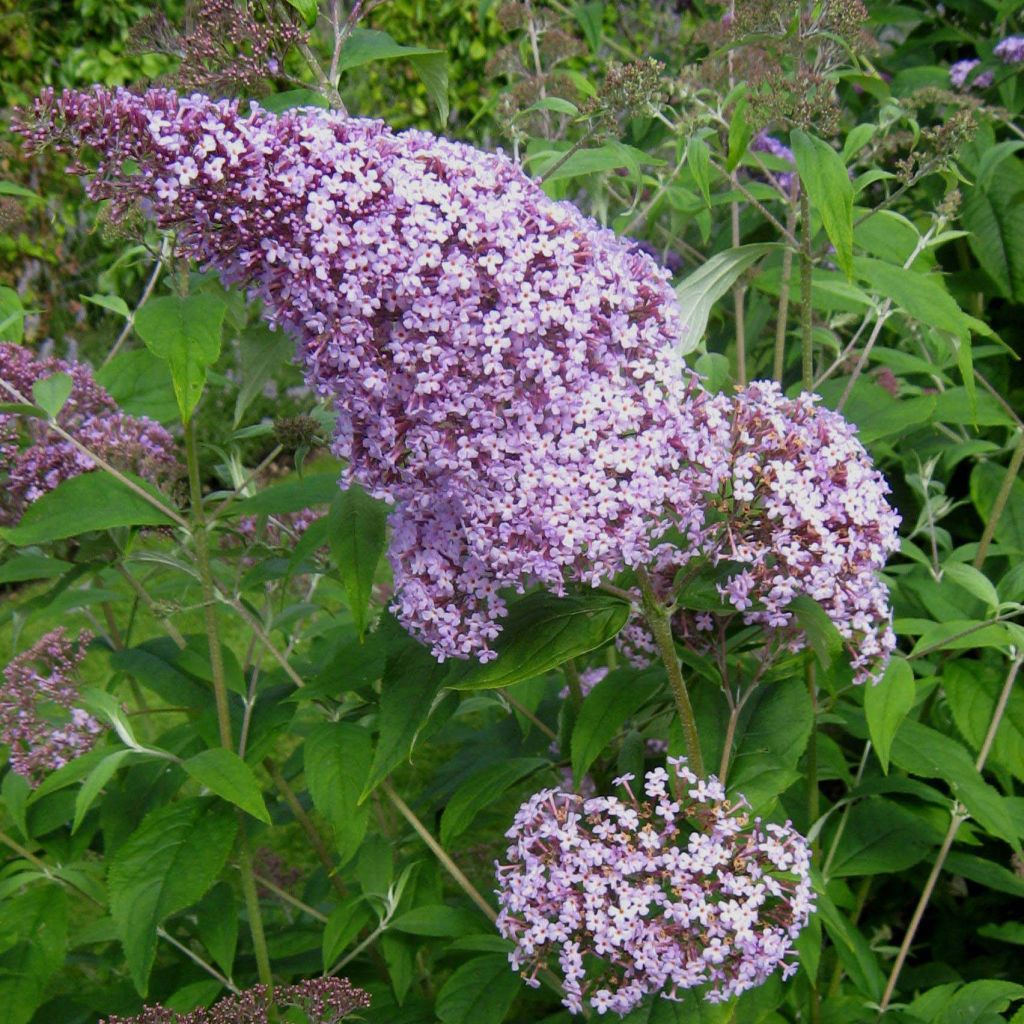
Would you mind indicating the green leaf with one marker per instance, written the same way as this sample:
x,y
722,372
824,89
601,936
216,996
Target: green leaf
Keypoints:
x,y
606,709
409,692
32,567
986,480
112,302
974,582
94,783
223,772
343,925
821,632
441,921
34,938
698,292
880,837
337,760
479,992
92,501
366,45
9,188
432,69
922,297
262,352
985,872
308,10
972,692
830,191
50,393
596,160
186,332
166,865
978,1000
698,159
217,921
540,633
358,537
886,705
852,948
741,131
483,788
590,17
994,216
12,316
140,384
291,495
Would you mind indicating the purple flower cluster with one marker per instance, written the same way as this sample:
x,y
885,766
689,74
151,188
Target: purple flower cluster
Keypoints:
x,y
1010,50
504,370
959,71
39,721
322,1000
799,510
656,893
33,460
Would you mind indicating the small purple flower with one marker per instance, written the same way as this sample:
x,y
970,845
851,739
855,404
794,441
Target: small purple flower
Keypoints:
x,y
39,720
651,894
765,143
959,72
1010,50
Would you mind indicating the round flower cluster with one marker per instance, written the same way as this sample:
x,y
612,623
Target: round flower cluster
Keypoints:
x,y
502,367
39,721
33,460
1010,50
656,893
322,1000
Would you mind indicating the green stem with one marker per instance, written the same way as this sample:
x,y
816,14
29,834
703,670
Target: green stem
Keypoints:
x,y
779,360
220,691
572,677
658,620
252,907
202,543
806,267
999,506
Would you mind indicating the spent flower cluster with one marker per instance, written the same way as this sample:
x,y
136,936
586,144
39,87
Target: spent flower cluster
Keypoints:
x,y
322,1000
34,460
664,890
39,720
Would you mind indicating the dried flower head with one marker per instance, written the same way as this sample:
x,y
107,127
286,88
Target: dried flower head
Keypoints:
x,y
668,889
322,1000
38,717
33,460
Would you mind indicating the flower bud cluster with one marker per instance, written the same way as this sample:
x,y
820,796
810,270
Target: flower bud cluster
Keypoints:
x,y
34,460
39,721
654,893
322,1000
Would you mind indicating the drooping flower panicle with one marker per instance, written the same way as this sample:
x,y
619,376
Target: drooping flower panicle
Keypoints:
x,y
651,894
39,718
1010,50
959,72
34,460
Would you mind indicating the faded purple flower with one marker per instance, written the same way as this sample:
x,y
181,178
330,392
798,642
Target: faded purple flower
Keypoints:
x,y
1010,50
959,72
322,1000
671,888
39,720
34,460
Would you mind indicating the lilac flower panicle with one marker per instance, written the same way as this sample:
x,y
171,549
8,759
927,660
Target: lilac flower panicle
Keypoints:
x,y
669,888
959,72
34,460
323,1000
503,369
39,719
1010,50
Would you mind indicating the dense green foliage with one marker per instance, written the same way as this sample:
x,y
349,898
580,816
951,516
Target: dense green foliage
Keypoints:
x,y
247,597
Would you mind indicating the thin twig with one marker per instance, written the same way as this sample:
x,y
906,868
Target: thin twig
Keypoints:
x,y
999,505
146,292
283,894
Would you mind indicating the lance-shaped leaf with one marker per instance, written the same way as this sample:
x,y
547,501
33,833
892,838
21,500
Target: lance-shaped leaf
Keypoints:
x,y
357,532
830,191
